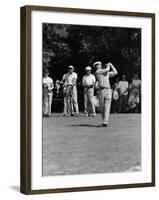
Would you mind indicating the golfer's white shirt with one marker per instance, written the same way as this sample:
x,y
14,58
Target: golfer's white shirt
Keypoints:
x,y
70,79
48,81
123,86
89,79
103,78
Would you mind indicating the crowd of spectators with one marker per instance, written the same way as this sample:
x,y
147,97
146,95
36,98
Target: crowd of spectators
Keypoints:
x,y
126,95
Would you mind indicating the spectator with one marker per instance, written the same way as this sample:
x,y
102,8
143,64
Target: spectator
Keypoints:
x,y
115,96
57,89
136,83
133,102
135,94
123,94
71,92
88,82
47,93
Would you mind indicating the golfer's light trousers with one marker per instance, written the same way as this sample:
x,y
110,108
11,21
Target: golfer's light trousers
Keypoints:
x,y
105,103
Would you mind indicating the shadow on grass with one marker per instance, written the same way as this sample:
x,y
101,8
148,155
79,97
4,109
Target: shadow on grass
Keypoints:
x,y
83,125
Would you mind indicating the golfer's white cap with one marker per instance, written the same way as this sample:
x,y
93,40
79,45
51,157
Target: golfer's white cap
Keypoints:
x,y
97,63
88,68
70,67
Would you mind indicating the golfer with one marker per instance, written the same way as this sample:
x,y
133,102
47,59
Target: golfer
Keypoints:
x,y
102,76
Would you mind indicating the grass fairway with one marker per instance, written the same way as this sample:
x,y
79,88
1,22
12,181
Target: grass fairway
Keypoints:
x,y
75,145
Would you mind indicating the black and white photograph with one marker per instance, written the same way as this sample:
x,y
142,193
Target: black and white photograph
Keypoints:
x,y
87,100
91,99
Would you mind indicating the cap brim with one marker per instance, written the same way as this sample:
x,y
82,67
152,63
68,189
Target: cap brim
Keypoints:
x,y
97,63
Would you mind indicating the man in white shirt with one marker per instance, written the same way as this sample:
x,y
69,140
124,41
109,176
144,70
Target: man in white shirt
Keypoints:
x,y
123,87
47,93
71,92
88,83
102,76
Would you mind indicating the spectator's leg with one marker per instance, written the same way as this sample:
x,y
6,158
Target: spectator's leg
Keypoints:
x,y
124,103
64,106
68,99
120,109
49,104
74,100
91,101
45,105
85,103
114,106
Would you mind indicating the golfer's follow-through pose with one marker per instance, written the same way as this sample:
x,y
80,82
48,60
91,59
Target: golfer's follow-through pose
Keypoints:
x,y
102,76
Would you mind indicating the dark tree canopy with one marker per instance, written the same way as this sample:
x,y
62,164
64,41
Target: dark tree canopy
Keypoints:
x,y
83,45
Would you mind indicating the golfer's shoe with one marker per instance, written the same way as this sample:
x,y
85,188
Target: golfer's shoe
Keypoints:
x,y
103,125
94,115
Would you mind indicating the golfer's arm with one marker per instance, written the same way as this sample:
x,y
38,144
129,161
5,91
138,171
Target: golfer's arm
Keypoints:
x,y
102,71
113,72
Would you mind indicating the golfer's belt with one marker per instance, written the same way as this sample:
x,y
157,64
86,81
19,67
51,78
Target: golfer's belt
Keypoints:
x,y
101,88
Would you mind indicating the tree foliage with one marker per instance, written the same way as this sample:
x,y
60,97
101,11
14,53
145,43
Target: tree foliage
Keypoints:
x,y
83,45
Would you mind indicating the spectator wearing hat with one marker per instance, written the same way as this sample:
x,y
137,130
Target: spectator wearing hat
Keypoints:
x,y
115,96
123,87
47,93
64,89
103,75
71,92
88,82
